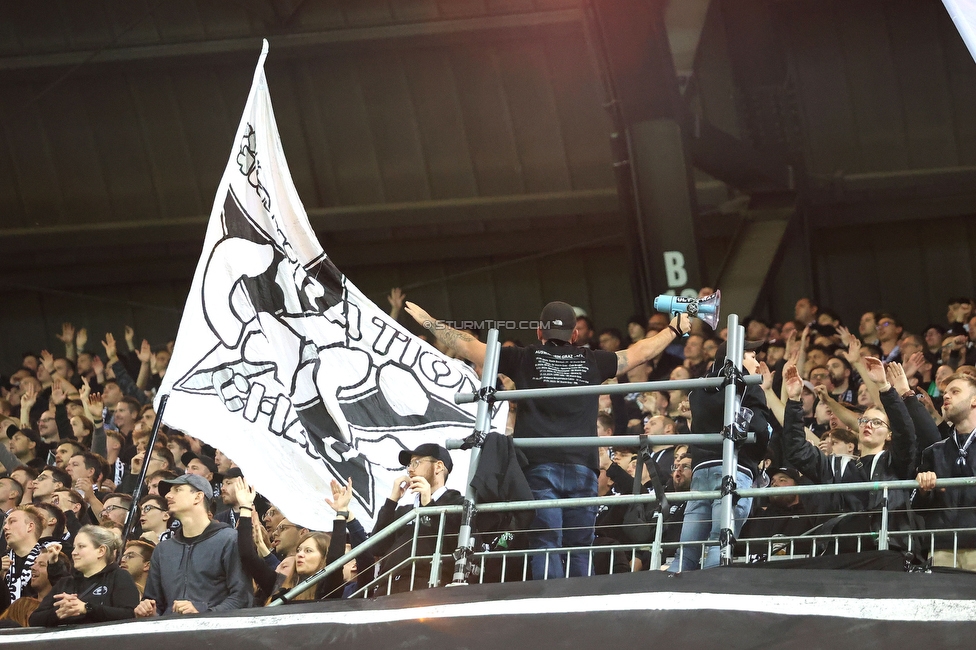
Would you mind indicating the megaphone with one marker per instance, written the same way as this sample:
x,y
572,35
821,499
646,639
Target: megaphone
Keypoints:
x,y
704,308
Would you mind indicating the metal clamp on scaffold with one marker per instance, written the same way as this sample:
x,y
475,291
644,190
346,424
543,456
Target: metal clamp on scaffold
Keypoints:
x,y
728,486
726,538
476,439
486,394
732,374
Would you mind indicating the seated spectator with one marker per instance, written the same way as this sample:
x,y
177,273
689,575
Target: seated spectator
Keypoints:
x,y
152,480
49,567
784,514
86,473
116,507
211,578
73,508
52,532
22,530
680,481
97,591
311,556
50,480
18,614
154,518
136,559
65,451
285,536
271,518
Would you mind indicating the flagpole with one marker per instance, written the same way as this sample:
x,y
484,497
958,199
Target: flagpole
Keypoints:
x,y
482,425
130,518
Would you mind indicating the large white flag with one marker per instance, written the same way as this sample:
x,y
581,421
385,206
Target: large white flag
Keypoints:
x,y
963,14
284,365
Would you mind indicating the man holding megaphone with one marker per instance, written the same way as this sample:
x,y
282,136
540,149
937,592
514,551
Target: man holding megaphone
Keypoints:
x,y
560,472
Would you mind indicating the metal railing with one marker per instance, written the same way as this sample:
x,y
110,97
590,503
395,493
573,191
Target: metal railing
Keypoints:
x,y
733,382
658,549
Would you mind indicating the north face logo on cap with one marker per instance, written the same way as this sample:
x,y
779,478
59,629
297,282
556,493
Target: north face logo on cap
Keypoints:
x,y
556,321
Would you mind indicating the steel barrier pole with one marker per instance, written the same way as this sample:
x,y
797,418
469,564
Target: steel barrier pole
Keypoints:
x,y
726,538
883,535
482,425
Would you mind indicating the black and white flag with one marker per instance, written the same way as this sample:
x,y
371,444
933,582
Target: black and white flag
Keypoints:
x,y
285,366
963,14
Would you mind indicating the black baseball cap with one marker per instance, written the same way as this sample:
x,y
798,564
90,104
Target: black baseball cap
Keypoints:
x,y
430,449
28,433
210,463
789,471
558,321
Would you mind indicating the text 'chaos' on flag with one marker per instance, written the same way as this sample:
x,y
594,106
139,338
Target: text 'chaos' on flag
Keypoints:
x,y
285,366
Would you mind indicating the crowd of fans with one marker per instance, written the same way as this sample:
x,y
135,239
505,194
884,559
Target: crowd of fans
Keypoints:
x,y
880,403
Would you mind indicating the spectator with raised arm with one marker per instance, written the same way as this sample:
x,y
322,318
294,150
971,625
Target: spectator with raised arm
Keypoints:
x,y
558,472
702,521
886,441
121,373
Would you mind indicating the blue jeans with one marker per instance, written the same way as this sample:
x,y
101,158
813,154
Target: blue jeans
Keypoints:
x,y
556,527
703,519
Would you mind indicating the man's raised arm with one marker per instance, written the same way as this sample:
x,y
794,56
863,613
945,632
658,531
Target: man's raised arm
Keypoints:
x,y
462,344
646,349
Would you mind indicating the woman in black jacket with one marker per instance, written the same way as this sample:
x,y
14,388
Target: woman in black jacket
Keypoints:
x,y
887,443
98,591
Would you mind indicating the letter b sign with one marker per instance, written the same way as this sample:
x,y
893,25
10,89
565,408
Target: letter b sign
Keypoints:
x,y
674,268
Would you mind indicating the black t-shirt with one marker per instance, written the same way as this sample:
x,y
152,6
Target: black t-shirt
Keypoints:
x,y
550,366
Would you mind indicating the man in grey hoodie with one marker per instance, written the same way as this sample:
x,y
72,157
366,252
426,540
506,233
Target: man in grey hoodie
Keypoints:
x,y
199,568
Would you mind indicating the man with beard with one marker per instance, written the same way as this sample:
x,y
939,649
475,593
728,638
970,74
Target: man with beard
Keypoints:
x,y
428,467
841,387
953,457
680,482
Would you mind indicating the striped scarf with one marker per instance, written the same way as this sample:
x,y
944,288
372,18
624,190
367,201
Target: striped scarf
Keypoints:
x,y
16,584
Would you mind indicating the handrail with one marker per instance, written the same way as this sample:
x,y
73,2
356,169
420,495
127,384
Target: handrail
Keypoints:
x,y
619,499
613,441
605,389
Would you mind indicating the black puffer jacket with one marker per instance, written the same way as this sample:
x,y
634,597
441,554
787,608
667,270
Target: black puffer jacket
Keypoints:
x,y
110,595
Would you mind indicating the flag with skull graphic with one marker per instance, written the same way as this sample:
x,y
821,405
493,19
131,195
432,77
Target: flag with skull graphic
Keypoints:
x,y
285,366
